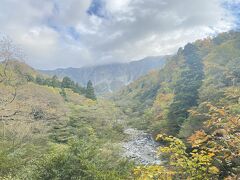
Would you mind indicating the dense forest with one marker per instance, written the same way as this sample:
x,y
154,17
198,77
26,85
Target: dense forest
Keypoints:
x,y
54,128
192,107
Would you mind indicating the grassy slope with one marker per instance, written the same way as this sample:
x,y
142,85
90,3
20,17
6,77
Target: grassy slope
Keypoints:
x,y
45,117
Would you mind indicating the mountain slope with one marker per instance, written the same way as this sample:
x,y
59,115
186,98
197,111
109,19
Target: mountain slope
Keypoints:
x,y
110,77
195,111
203,71
40,124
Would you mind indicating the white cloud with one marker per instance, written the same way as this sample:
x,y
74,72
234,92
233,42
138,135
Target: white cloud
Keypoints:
x,y
70,12
58,33
117,6
154,27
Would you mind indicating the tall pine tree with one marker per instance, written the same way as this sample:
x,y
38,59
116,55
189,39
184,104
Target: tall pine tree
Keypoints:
x,y
90,91
186,89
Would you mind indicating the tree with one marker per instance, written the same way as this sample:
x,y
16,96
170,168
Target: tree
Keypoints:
x,y
39,80
29,77
8,51
47,81
13,133
8,80
186,89
196,165
90,91
55,81
63,94
78,89
67,82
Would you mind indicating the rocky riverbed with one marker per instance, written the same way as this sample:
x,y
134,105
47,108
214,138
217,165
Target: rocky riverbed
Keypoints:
x,y
140,147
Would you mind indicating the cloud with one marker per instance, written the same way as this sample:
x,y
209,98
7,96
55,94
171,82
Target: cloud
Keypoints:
x,y
57,33
153,27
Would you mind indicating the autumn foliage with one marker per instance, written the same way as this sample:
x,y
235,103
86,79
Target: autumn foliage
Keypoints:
x,y
210,153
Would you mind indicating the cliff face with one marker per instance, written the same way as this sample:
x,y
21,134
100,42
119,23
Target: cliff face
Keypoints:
x,y
110,77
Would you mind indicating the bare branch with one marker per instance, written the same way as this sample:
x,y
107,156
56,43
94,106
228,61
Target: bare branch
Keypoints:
x,y
11,115
8,51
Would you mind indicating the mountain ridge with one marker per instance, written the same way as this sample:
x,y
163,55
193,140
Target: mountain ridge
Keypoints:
x,y
110,77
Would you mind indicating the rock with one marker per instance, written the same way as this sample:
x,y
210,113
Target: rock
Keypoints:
x,y
141,147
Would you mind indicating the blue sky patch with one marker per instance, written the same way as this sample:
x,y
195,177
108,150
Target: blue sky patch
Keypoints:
x,y
73,33
234,8
96,8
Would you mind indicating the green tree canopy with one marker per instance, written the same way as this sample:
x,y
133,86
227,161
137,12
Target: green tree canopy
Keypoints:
x,y
67,82
39,80
55,81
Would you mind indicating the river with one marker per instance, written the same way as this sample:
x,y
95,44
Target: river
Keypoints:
x,y
140,147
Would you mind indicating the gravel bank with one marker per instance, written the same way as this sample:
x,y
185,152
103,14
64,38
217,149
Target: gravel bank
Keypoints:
x,y
140,147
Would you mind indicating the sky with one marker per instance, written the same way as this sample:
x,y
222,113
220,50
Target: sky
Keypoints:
x,y
76,33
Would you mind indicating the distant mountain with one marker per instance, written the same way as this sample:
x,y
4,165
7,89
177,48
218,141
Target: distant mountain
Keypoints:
x,y
110,77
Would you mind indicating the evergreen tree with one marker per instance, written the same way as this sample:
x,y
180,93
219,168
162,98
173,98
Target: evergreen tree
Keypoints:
x,y
29,77
186,89
63,94
67,83
39,80
78,89
48,82
90,91
55,81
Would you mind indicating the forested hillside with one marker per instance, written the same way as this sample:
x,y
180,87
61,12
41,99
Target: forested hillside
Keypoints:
x,y
195,98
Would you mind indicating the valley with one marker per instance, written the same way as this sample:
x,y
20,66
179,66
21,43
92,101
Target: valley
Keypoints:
x,y
178,120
